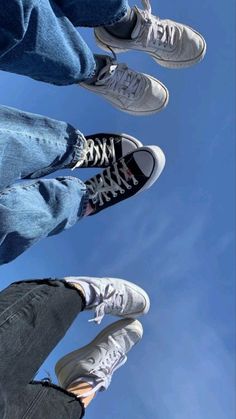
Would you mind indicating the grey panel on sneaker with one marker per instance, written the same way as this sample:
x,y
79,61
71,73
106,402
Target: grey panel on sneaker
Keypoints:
x,y
129,91
170,43
98,360
114,296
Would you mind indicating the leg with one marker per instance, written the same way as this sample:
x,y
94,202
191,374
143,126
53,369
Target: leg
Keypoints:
x,y
37,40
93,12
40,209
34,317
33,146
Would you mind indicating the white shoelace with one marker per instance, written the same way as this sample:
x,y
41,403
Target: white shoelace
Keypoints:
x,y
114,359
112,301
98,151
154,31
100,187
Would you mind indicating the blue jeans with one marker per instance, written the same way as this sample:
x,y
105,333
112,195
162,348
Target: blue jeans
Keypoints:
x,y
34,317
32,146
38,37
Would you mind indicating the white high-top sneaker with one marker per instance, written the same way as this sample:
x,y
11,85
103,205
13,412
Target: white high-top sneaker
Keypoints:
x,y
96,362
127,90
171,44
112,296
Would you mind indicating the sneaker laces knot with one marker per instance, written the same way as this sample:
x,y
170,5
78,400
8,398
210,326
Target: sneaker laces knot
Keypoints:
x,y
113,180
111,300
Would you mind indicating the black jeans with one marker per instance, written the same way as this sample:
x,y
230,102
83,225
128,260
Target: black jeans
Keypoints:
x,y
34,316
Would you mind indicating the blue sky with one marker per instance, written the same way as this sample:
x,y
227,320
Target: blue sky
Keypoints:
x,y
176,240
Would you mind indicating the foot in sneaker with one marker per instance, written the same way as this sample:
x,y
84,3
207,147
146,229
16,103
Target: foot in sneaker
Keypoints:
x,y
171,44
103,149
96,362
127,90
112,296
130,175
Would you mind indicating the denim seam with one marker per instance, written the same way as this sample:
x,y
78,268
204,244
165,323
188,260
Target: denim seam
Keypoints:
x,y
34,403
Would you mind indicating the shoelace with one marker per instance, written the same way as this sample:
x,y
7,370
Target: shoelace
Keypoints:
x,y
155,31
112,180
111,300
97,151
118,78
113,360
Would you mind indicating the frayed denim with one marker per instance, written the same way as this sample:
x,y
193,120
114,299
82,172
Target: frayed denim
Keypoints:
x,y
32,146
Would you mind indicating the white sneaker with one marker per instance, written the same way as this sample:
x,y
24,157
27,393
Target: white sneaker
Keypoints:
x,y
130,175
112,296
171,44
96,362
129,91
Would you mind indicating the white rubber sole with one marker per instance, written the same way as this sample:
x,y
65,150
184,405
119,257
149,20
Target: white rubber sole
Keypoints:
x,y
131,285
66,364
163,63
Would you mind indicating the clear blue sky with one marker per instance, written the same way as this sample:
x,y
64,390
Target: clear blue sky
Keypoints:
x,y
176,240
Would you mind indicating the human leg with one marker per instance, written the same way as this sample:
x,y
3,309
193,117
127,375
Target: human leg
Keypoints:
x,y
38,41
37,210
32,146
93,12
34,316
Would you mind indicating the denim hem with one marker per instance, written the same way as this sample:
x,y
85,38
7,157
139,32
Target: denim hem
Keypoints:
x,y
50,281
79,149
85,203
47,383
109,22
71,286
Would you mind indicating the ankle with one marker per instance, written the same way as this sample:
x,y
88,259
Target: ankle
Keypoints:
x,y
124,28
100,64
80,389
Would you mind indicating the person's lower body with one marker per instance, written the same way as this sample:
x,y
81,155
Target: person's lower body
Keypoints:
x,y
32,146
34,317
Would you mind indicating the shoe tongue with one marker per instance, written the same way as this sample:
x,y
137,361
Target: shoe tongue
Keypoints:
x,y
106,72
136,30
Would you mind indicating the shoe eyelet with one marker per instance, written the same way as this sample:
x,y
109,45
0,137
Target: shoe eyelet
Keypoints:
x,y
129,187
136,182
122,191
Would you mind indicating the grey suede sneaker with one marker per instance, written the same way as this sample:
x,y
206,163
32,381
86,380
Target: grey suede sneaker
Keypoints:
x,y
112,296
96,362
127,90
171,44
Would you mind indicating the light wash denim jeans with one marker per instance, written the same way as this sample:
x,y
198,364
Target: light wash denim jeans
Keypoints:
x,y
38,38
34,317
32,146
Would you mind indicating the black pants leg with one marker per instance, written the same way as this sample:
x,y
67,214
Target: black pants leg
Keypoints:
x,y
34,317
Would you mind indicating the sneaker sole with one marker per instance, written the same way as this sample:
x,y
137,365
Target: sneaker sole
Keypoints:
x,y
64,363
130,285
163,63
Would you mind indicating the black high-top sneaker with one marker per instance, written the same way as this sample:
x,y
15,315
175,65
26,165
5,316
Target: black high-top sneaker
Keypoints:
x,y
128,176
103,149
